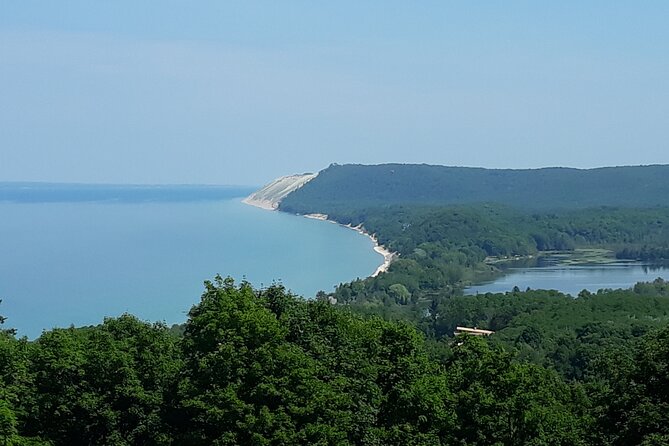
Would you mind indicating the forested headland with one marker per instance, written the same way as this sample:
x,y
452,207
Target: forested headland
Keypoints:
x,y
376,362
341,187
454,226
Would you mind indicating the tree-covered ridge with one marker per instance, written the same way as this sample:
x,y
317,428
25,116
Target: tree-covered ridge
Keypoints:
x,y
355,186
262,367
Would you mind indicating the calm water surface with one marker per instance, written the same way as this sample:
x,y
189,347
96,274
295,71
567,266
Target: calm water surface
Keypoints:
x,y
574,279
77,262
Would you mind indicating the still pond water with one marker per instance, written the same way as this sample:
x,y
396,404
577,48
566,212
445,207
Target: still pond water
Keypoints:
x,y
572,279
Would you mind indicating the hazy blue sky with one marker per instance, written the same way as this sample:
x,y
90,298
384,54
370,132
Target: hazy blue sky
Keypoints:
x,y
238,92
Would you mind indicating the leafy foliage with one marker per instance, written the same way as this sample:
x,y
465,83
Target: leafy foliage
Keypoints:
x,y
102,385
265,367
635,400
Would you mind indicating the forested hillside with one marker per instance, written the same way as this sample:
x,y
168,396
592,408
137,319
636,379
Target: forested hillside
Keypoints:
x,y
262,367
452,226
444,248
354,186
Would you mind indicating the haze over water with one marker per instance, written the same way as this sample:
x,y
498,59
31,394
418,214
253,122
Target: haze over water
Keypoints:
x,y
77,262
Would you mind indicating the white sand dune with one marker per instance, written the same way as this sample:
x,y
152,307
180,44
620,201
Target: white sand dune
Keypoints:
x,y
271,194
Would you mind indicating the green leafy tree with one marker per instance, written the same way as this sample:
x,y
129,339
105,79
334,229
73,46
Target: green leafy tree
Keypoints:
x,y
16,389
635,399
503,402
242,382
103,385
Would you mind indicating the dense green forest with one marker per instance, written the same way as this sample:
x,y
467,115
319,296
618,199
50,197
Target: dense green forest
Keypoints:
x,y
263,367
444,248
358,186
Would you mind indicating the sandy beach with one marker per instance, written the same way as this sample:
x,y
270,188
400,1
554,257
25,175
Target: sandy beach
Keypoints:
x,y
388,256
322,217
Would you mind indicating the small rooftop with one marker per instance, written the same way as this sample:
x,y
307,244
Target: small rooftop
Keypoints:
x,y
472,331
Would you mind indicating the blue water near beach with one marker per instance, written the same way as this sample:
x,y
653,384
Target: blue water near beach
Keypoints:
x,y
76,262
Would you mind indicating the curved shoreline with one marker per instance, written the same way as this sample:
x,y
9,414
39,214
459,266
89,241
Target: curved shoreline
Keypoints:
x,y
388,256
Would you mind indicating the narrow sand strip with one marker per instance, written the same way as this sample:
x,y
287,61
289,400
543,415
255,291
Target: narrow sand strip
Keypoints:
x,y
388,257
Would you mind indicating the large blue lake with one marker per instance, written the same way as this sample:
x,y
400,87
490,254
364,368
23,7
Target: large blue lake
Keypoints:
x,y
76,262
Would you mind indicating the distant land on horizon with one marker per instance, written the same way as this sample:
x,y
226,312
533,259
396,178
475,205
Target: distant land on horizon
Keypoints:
x,y
36,192
359,186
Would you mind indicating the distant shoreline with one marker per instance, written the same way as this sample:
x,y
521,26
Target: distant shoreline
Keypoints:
x,y
388,256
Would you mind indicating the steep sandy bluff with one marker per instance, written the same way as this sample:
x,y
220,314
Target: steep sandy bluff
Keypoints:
x,y
271,195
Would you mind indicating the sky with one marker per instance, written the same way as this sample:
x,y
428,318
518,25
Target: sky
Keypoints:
x,y
240,92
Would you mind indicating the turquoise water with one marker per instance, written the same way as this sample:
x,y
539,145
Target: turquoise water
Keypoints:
x,y
573,279
68,263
